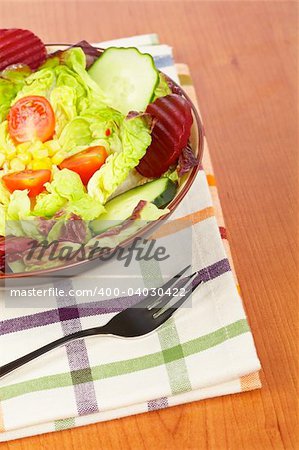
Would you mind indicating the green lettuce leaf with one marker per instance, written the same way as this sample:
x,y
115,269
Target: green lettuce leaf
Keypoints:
x,y
66,184
72,72
135,138
75,59
51,62
90,128
86,208
19,205
4,194
63,101
7,145
76,133
67,193
16,218
16,74
66,77
48,204
8,92
11,82
69,71
105,125
17,210
162,88
40,83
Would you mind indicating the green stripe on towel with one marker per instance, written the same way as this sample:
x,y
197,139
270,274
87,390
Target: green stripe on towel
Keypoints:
x,y
119,368
168,336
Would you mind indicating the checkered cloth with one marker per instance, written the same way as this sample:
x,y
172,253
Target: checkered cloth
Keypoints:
x,y
204,351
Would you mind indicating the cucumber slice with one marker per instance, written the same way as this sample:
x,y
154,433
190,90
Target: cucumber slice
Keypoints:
x,y
127,76
160,192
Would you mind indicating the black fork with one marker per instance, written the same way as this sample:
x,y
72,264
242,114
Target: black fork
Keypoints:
x,y
143,318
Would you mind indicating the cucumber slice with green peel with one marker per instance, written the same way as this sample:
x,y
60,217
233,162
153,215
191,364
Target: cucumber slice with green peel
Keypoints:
x,y
160,192
127,76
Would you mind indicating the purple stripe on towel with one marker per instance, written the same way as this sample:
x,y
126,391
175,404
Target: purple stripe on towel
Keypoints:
x,y
94,308
159,403
77,353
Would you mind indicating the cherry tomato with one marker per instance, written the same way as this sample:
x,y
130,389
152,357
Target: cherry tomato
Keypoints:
x,y
86,163
31,118
33,180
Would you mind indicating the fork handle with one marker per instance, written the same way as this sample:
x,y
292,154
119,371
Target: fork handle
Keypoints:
x,y
13,365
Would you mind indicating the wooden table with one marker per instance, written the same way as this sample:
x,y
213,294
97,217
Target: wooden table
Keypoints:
x,y
243,60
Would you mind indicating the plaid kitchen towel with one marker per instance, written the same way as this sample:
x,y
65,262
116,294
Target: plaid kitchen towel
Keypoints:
x,y
204,351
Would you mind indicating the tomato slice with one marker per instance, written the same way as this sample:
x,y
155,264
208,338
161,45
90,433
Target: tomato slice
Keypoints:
x,y
31,118
86,163
33,180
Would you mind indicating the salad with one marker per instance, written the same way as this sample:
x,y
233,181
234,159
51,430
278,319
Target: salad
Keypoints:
x,y
91,143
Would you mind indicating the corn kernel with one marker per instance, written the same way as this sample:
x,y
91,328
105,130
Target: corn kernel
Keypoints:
x,y
5,167
59,157
2,159
25,158
24,147
38,164
10,153
17,165
38,152
52,147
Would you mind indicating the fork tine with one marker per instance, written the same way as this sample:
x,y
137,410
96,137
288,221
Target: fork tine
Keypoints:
x,y
147,302
167,299
170,283
168,311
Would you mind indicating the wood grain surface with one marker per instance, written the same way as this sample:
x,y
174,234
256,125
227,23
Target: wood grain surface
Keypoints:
x,y
243,57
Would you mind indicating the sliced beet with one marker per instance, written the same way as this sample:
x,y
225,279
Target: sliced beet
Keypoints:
x,y
21,47
170,134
